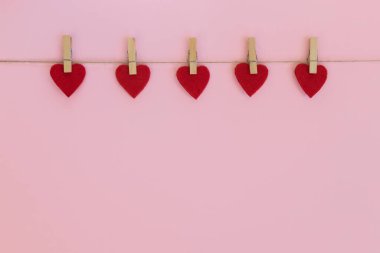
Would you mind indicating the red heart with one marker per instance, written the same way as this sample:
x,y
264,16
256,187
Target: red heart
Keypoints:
x,y
133,84
251,82
193,84
311,83
68,82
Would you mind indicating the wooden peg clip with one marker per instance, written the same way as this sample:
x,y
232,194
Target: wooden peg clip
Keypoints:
x,y
132,56
193,56
252,57
67,54
313,56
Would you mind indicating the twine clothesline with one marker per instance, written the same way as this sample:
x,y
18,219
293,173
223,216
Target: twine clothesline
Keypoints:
x,y
181,62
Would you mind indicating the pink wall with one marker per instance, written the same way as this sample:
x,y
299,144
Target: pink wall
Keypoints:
x,y
275,173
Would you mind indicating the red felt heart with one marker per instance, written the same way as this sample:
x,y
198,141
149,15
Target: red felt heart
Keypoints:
x,y
193,84
251,82
311,83
133,84
68,82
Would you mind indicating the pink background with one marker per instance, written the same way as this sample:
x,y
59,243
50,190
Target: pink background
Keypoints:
x,y
275,173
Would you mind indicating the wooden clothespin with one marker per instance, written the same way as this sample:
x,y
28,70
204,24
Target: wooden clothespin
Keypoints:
x,y
193,56
252,57
132,56
313,56
67,54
